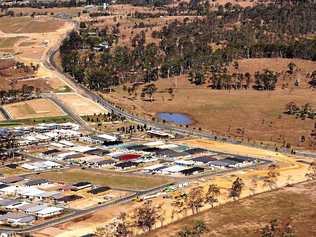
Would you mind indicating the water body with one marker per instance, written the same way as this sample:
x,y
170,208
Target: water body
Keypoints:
x,y
178,118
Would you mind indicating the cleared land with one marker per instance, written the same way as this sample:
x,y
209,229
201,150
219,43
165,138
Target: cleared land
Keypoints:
x,y
48,11
9,42
245,218
259,113
33,109
81,105
9,172
29,25
114,180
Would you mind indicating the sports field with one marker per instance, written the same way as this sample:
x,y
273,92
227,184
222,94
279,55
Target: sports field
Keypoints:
x,y
36,108
81,105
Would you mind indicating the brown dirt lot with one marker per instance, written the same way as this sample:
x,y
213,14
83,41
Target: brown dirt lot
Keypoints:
x,y
29,10
259,113
8,83
81,105
246,217
29,25
33,109
9,42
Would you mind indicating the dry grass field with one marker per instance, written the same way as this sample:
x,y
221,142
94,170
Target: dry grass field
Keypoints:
x,y
7,83
245,218
9,42
259,113
36,108
81,105
49,11
114,180
10,172
29,25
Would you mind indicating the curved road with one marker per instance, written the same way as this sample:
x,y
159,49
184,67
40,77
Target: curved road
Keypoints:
x,y
50,65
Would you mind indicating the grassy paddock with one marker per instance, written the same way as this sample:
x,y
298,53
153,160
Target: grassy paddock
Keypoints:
x,y
57,119
6,171
111,179
9,42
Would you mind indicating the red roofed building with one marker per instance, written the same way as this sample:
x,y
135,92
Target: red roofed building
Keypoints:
x,y
129,157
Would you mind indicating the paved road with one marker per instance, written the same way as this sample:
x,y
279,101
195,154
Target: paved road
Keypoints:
x,y
5,113
50,64
166,127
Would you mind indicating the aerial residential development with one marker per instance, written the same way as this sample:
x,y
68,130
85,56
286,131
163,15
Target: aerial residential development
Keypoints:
x,y
176,118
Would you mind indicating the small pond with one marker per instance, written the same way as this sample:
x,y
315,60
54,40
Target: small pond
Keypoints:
x,y
178,118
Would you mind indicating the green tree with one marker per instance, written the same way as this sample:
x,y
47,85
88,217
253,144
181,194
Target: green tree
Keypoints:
x,y
212,194
236,188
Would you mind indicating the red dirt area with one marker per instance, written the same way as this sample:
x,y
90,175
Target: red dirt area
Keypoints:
x,y
6,64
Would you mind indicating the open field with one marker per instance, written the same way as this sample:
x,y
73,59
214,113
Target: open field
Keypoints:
x,y
81,105
114,180
9,172
9,42
10,81
49,11
29,25
259,113
245,218
274,64
33,109
90,200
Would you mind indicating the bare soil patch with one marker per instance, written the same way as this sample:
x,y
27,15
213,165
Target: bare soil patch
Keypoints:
x,y
29,24
33,109
81,105
49,11
9,42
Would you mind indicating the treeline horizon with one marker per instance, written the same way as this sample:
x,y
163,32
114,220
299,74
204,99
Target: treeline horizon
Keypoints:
x,y
203,48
